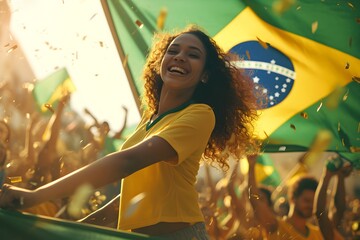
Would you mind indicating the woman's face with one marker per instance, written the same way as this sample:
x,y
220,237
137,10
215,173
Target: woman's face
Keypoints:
x,y
182,66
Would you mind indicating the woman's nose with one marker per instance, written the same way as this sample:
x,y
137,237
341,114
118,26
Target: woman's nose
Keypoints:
x,y
179,57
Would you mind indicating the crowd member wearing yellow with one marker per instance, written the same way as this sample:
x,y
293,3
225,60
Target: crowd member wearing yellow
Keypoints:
x,y
197,104
295,225
330,218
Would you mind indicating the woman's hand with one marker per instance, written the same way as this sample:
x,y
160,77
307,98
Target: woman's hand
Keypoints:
x,y
12,197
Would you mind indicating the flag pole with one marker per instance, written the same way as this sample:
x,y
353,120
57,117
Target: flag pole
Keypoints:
x,y
110,22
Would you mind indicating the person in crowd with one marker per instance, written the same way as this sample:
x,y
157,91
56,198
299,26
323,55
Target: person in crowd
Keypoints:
x,y
329,219
4,142
301,198
98,133
49,161
197,105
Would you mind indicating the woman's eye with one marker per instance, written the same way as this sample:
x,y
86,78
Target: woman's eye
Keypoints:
x,y
193,55
171,51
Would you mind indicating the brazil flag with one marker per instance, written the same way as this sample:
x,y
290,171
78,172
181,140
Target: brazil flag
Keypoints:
x,y
52,88
304,53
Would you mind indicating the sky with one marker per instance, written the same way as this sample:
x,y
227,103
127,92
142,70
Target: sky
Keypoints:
x,y
74,34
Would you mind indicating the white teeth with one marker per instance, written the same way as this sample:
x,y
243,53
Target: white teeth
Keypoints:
x,y
177,69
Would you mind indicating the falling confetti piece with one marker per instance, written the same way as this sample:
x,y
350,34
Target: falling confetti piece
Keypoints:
x,y
139,23
281,6
12,49
134,202
93,16
101,44
338,128
49,107
350,5
16,179
298,8
161,19
347,65
78,200
247,54
354,149
267,136
333,100
293,127
319,107
125,60
346,95
319,145
282,148
262,43
304,115
314,26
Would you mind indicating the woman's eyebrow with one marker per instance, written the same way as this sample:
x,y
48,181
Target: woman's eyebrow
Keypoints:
x,y
191,47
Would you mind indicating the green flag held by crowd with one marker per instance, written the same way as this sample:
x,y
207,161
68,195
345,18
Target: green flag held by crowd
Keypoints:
x,y
49,90
302,53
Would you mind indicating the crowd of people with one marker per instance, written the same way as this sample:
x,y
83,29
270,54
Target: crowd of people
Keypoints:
x,y
198,106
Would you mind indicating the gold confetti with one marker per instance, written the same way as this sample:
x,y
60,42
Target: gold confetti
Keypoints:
x,y
346,95
49,107
332,101
293,127
338,128
314,26
347,65
319,107
125,60
319,145
354,149
16,179
93,16
12,48
253,233
304,115
139,23
281,6
78,200
247,54
267,136
350,4
262,43
298,8
101,44
161,19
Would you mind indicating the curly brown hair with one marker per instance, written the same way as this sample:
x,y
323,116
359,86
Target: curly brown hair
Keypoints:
x,y
228,91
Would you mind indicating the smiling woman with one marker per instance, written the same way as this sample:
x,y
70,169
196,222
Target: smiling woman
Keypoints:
x,y
75,35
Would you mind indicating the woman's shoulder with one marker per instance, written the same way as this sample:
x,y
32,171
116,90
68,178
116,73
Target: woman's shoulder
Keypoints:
x,y
199,107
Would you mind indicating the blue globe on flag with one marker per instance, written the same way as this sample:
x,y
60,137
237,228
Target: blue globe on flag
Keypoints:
x,y
268,67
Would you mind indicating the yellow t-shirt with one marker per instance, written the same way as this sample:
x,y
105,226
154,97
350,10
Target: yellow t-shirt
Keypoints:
x,y
165,192
286,231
